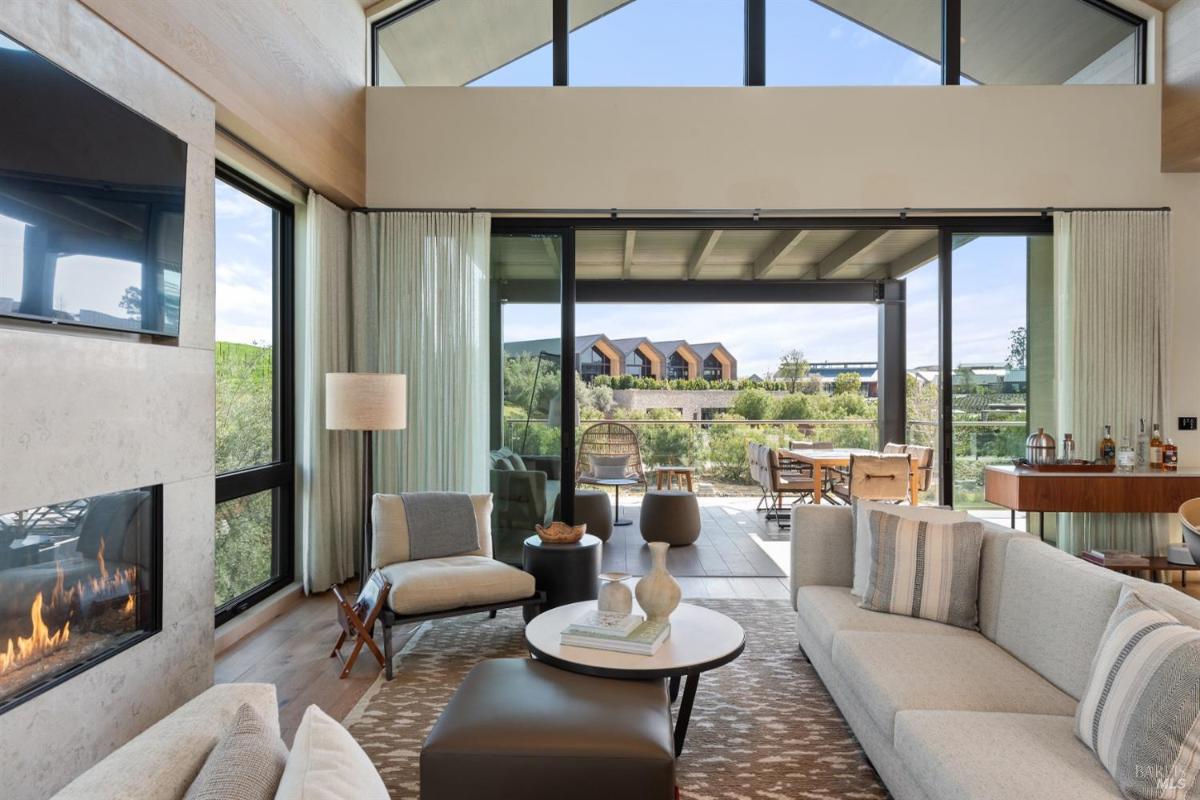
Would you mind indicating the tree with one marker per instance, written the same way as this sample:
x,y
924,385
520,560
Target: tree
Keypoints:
x,y
131,302
847,383
793,368
753,404
795,406
1017,348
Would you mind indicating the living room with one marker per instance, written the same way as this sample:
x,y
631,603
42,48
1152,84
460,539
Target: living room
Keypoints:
x,y
259,266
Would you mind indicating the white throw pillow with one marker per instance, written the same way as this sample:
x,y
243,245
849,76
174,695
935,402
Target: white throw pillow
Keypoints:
x,y
862,531
609,467
327,764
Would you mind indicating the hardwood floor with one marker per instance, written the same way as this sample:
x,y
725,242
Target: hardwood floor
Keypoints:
x,y
292,651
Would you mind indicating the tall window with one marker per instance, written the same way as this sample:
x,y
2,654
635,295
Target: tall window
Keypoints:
x,y
677,368
712,369
253,363
592,363
637,364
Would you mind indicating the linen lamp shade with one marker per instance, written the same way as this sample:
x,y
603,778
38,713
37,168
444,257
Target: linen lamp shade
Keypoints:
x,y
365,401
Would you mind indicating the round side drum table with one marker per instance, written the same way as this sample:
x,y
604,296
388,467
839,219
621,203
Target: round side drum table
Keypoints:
x,y
568,573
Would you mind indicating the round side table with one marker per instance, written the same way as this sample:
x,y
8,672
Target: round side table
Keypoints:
x,y
568,573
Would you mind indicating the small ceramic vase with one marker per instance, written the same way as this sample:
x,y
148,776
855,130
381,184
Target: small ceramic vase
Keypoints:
x,y
615,596
658,593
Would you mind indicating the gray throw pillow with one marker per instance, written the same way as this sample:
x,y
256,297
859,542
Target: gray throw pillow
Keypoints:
x,y
517,461
924,569
246,763
609,467
1140,712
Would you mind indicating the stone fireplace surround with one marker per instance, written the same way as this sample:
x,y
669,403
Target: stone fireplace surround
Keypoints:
x,y
85,414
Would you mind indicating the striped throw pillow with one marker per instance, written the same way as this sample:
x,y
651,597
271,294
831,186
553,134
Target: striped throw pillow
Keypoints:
x,y
924,569
1140,712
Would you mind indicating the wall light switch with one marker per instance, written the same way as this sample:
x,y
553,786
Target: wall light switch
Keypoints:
x,y
1187,423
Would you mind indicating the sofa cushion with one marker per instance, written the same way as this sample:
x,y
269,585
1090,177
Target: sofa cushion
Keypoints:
x,y
439,584
893,672
973,755
391,543
996,540
1140,712
924,569
826,610
1053,610
327,764
245,764
861,512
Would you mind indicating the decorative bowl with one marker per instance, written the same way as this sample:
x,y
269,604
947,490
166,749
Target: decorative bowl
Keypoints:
x,y
560,532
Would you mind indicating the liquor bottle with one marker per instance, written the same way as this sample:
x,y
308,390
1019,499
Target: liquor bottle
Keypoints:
x,y
1068,449
1108,448
1156,445
1143,443
1126,458
1170,456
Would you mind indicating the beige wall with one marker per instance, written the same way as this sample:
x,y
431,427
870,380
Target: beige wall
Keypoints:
x,y
287,76
82,414
830,148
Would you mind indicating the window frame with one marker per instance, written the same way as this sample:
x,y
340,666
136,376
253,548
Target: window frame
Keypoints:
x,y
754,16
277,475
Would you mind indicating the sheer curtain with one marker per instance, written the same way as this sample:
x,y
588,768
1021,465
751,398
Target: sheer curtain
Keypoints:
x,y
420,291
1112,315
328,466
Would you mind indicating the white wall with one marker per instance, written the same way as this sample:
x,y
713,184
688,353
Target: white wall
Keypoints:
x,y
85,414
824,148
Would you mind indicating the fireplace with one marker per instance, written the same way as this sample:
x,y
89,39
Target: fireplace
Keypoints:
x,y
79,582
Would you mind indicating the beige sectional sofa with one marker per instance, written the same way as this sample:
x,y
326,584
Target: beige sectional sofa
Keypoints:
x,y
943,712
162,761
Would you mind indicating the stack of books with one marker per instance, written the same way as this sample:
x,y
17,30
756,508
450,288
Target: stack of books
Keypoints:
x,y
621,633
1116,558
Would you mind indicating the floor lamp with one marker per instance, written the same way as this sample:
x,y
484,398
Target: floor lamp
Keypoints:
x,y
367,402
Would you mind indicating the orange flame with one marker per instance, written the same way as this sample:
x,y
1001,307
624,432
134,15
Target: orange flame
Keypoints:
x,y
39,642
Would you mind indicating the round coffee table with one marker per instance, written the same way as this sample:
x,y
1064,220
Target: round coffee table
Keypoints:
x,y
701,639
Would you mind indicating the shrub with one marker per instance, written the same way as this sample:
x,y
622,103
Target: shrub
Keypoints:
x,y
753,403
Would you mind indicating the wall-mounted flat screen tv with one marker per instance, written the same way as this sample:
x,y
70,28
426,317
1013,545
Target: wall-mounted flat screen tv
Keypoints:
x,y
91,204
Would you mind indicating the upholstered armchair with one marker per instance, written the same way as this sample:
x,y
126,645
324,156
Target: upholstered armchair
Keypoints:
x,y
525,491
447,586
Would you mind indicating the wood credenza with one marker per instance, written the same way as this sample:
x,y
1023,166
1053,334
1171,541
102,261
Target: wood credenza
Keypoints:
x,y
1140,492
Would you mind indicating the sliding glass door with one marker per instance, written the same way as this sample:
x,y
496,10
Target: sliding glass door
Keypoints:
x,y
530,466
1002,353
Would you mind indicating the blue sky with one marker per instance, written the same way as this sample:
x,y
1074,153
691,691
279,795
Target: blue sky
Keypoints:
x,y
244,267
700,43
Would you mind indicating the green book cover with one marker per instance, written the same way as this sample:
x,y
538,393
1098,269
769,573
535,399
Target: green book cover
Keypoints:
x,y
646,634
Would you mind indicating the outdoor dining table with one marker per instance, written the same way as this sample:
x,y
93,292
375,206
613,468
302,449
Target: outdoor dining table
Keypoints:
x,y
820,460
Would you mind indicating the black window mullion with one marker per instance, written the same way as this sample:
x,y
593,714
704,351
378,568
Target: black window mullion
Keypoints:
x,y
561,34
756,43
951,42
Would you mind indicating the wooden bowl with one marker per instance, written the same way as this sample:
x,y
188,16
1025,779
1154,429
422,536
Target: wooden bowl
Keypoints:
x,y
561,533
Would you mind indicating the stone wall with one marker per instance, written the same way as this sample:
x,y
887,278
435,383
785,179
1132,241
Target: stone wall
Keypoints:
x,y
82,414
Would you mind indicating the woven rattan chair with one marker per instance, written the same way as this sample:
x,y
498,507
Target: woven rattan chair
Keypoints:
x,y
609,439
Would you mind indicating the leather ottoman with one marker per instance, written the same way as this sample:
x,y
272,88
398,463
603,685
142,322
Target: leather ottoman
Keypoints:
x,y
670,516
517,728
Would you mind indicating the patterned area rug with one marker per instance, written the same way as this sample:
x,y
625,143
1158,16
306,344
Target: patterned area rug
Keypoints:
x,y
762,727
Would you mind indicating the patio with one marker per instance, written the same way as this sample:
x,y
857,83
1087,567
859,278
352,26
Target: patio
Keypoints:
x,y
736,541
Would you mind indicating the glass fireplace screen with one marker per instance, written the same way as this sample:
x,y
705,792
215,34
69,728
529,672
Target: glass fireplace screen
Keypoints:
x,y
79,582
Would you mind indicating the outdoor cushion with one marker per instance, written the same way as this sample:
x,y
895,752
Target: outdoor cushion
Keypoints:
x,y
826,610
893,672
972,755
1053,611
609,467
440,584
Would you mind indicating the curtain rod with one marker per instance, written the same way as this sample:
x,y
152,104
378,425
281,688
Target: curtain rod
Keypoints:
x,y
266,159
755,213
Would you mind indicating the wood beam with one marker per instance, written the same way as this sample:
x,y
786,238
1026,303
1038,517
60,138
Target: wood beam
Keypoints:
x,y
836,262
774,252
627,262
1181,88
919,256
704,248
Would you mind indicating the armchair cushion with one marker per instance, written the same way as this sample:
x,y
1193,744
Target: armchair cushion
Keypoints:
x,y
391,544
440,584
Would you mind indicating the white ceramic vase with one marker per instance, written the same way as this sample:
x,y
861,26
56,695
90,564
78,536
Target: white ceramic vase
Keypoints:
x,y
658,593
615,597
